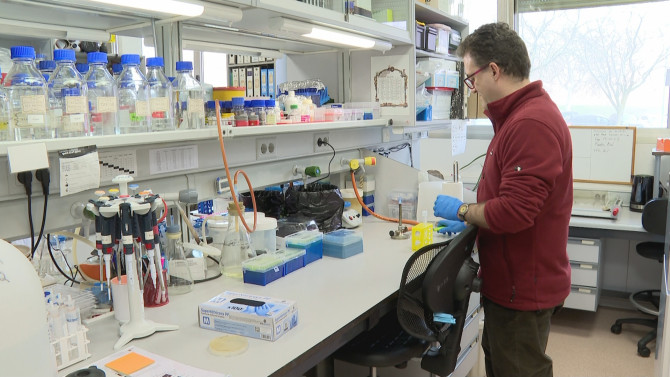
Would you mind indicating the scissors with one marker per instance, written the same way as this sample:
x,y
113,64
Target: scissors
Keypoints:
x,y
3,277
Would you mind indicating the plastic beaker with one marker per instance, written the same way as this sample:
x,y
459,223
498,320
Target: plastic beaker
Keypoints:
x,y
178,273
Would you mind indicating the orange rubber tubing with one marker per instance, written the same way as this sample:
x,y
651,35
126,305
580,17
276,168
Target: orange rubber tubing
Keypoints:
x,y
360,200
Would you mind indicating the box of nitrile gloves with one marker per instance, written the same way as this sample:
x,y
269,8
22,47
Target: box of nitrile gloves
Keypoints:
x,y
259,317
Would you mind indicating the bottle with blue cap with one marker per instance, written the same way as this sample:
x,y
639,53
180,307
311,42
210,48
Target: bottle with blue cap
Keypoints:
x,y
4,119
117,68
160,103
26,92
102,95
82,68
133,91
68,97
189,98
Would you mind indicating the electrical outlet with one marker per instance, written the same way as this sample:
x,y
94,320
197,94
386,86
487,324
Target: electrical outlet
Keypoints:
x,y
266,148
324,136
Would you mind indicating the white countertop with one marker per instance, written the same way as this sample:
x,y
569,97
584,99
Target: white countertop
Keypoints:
x,y
626,221
324,292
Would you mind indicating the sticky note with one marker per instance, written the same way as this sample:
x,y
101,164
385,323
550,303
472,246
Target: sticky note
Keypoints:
x,y
130,363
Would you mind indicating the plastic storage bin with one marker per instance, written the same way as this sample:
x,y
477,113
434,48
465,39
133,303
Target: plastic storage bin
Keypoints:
x,y
294,259
342,243
262,269
441,102
430,38
310,240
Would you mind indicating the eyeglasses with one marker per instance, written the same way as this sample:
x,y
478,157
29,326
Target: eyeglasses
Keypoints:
x,y
469,82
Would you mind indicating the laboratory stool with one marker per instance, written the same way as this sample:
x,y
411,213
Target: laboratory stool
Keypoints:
x,y
653,221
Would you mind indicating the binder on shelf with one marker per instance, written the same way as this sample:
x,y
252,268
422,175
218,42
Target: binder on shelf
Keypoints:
x,y
271,82
257,81
250,82
235,77
264,82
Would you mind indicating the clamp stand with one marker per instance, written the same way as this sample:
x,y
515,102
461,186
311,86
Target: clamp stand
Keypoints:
x,y
402,232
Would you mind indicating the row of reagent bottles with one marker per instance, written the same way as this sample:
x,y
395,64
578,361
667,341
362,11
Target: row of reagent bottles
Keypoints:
x,y
61,102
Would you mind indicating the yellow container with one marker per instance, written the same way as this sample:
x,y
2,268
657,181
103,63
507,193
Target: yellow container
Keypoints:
x,y
226,93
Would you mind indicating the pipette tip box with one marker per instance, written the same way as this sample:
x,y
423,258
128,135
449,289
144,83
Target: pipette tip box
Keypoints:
x,y
293,259
342,243
310,240
262,269
248,315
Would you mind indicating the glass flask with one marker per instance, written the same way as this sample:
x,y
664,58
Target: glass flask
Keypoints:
x,y
236,245
179,276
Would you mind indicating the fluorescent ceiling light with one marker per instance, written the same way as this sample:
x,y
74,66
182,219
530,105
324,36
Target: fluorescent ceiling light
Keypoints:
x,y
181,8
330,35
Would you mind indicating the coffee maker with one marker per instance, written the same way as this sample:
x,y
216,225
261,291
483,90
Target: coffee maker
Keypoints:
x,y
641,192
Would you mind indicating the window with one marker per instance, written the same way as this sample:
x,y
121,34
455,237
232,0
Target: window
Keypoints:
x,y
215,68
602,65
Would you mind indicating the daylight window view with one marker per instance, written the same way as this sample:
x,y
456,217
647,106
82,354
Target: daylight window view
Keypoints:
x,y
605,65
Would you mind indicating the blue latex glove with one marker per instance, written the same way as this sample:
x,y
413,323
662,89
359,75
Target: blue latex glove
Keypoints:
x,y
450,226
446,207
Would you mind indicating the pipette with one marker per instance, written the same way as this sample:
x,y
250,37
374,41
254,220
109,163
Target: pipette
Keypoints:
x,y
91,206
147,232
157,251
109,216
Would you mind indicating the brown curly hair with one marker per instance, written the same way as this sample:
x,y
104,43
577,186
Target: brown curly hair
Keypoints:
x,y
497,43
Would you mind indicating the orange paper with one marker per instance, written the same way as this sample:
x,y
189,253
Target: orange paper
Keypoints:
x,y
130,363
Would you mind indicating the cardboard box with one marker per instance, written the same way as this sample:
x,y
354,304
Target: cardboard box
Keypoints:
x,y
253,316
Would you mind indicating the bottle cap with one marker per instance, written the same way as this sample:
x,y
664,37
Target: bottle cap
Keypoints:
x,y
238,101
82,67
184,66
210,105
40,56
117,68
227,104
46,65
130,59
64,55
171,78
247,103
258,103
232,209
70,92
294,106
96,57
269,103
155,62
22,52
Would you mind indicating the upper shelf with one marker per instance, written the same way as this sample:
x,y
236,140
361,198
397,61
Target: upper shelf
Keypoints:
x,y
432,15
130,140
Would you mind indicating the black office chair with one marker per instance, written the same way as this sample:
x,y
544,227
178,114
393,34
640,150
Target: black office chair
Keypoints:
x,y
437,279
653,221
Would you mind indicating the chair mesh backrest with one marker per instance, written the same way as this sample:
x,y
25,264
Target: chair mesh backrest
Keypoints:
x,y
410,306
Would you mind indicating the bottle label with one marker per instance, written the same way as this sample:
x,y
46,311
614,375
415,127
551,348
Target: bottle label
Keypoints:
x,y
142,108
28,120
159,104
73,123
35,104
196,106
107,105
76,105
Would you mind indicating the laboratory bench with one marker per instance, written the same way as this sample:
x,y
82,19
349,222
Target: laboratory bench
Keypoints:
x,y
336,299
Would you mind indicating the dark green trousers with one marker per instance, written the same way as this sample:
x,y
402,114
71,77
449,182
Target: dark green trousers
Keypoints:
x,y
515,342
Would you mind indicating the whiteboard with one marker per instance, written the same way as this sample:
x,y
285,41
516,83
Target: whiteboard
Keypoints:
x,y
603,154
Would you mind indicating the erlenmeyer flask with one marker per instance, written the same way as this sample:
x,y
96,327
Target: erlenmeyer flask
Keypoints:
x,y
178,273
236,245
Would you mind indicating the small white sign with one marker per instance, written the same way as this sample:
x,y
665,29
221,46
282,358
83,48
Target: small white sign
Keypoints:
x,y
459,132
27,157
79,170
166,160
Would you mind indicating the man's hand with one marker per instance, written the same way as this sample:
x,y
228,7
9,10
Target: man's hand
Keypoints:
x,y
446,207
450,226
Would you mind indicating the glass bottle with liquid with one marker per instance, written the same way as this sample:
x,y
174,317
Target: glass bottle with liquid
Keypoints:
x,y
4,118
26,92
102,96
133,97
161,101
270,112
236,245
68,97
189,98
178,272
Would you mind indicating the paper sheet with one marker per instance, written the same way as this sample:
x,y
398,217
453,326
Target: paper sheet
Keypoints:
x,y
79,169
162,366
458,137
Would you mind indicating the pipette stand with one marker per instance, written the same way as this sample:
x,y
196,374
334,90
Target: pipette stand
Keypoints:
x,y
137,326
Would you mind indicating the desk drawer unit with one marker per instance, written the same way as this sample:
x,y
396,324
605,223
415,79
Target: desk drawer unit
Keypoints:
x,y
584,257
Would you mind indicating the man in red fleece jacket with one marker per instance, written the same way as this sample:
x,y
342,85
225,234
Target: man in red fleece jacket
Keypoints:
x,y
523,205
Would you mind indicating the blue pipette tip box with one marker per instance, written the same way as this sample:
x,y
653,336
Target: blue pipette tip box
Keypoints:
x,y
310,240
294,259
342,243
263,269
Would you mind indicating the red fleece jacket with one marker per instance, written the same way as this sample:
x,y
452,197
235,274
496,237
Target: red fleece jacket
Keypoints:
x,y
527,186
